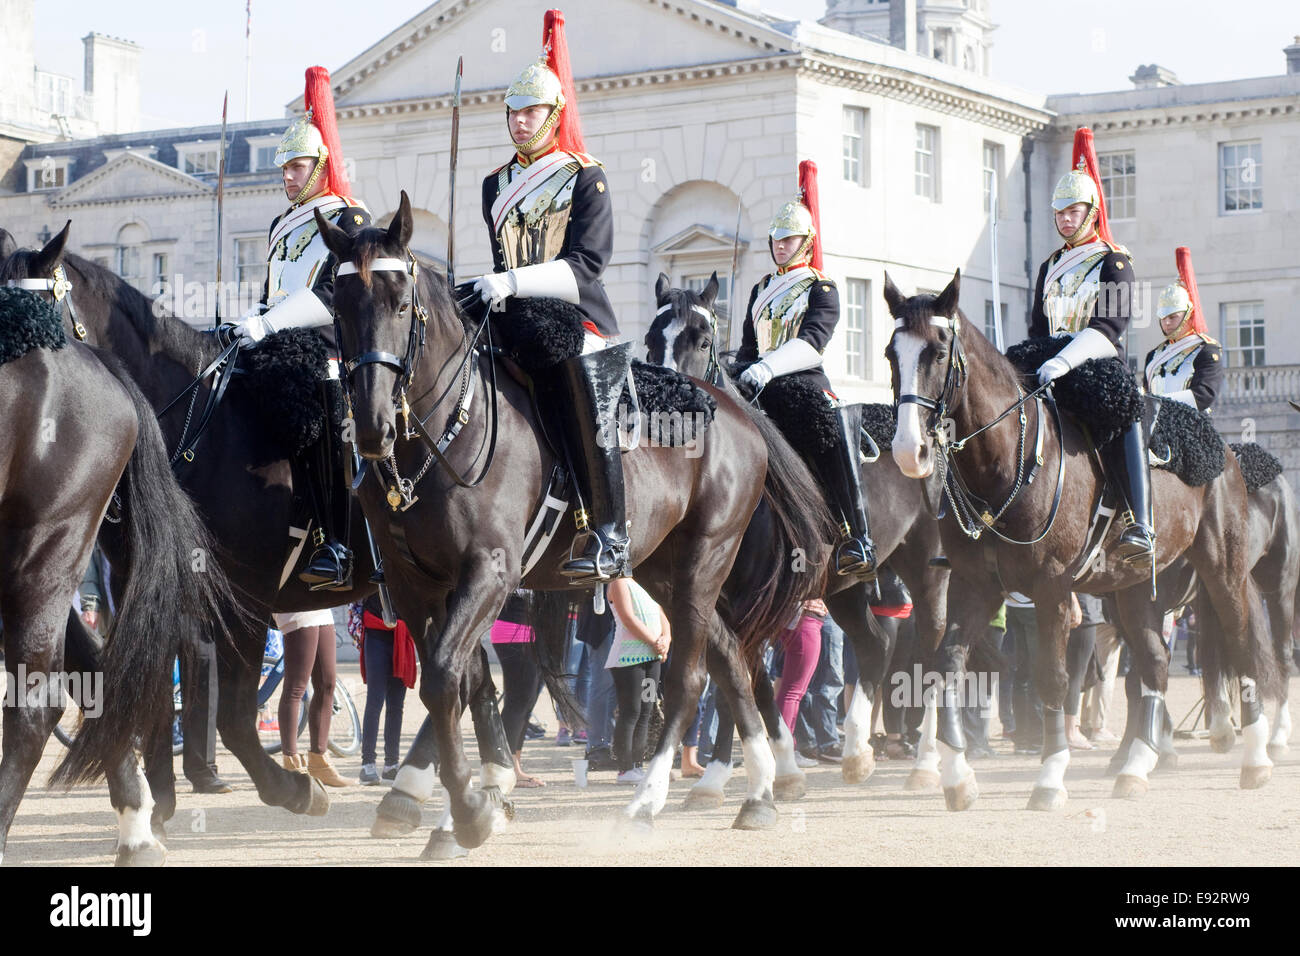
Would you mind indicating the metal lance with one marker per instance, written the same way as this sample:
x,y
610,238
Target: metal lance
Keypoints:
x,y
221,192
451,187
735,275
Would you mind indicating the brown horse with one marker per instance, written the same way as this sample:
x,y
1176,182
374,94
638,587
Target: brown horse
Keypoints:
x,y
454,546
1031,534
902,527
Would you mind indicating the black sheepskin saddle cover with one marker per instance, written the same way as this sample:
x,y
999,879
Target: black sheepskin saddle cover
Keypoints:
x,y
283,376
539,333
1186,437
27,322
799,408
1100,393
880,421
1258,466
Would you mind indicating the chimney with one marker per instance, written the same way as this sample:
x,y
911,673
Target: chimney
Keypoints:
x,y
1293,56
1152,76
902,24
113,81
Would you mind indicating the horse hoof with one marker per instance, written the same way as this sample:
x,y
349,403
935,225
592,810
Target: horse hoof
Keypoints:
x,y
1224,744
790,787
697,799
962,796
442,845
1128,787
397,815
149,854
320,801
1252,778
1277,751
1047,798
859,767
1167,761
921,780
755,815
473,832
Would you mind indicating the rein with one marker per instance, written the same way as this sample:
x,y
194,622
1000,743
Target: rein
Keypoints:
x,y
402,493
970,513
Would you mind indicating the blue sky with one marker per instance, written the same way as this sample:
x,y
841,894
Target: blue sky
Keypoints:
x,y
193,53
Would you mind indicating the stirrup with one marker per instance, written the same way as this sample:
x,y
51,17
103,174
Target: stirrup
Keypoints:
x,y
330,568
587,567
1133,550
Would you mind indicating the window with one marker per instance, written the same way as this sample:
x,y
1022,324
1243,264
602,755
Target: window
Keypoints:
x,y
198,160
1243,333
1119,183
53,93
48,172
992,173
856,296
159,272
250,267
130,258
263,158
1241,168
855,145
927,162
990,332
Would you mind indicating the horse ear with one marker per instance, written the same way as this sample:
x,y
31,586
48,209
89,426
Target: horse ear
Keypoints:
x,y
400,229
946,304
336,240
662,285
7,244
895,299
710,293
48,258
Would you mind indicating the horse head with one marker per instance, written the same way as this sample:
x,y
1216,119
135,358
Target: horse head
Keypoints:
x,y
682,333
924,363
32,265
375,314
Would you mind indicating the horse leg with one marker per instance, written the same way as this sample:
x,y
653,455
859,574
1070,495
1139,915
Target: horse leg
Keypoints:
x,y
955,775
708,792
398,812
1281,615
790,783
237,723
1052,681
1143,620
925,769
33,644
872,648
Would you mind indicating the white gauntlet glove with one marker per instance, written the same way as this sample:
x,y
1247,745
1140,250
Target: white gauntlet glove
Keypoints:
x,y
757,376
1088,344
299,310
495,287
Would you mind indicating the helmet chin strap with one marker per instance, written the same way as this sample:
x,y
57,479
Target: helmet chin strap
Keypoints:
x,y
534,142
1085,229
306,192
800,254
1181,328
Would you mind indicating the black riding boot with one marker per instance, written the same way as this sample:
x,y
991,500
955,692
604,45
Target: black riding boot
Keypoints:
x,y
1126,459
586,406
841,473
330,565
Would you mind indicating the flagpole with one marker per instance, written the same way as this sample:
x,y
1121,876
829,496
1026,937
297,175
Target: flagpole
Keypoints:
x,y
248,58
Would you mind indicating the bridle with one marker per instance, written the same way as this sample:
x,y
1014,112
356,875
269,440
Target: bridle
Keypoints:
x,y
713,372
972,514
59,287
401,494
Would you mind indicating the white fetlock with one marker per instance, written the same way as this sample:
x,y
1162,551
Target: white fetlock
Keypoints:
x,y
445,821
1051,772
1255,738
652,792
953,768
134,827
1281,739
715,778
416,783
783,753
1141,760
760,767
857,725
495,775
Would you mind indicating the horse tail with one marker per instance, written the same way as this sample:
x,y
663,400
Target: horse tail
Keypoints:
x,y
549,614
171,585
782,569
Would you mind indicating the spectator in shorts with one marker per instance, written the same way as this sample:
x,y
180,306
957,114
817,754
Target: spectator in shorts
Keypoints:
x,y
641,641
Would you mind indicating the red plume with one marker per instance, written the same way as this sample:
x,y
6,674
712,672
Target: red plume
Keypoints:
x,y
1085,150
1184,257
320,100
808,187
568,136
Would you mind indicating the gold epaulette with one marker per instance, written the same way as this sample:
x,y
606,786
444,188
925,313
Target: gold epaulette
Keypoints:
x,y
586,160
1210,340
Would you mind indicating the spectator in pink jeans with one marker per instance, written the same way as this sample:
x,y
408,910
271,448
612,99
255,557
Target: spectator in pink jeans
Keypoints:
x,y
801,645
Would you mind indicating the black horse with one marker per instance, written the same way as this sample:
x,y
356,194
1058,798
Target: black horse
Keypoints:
x,y
682,336
244,483
942,363
76,430
461,541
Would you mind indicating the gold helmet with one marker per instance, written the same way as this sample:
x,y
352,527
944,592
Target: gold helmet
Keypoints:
x,y
535,86
302,138
1075,186
1174,300
792,219
800,217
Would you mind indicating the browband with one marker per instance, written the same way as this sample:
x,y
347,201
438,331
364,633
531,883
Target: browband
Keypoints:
x,y
31,285
376,265
943,321
694,308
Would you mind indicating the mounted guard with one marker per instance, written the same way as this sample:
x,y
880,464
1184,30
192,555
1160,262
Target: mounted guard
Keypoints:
x,y
1187,367
551,227
299,293
1085,290
791,316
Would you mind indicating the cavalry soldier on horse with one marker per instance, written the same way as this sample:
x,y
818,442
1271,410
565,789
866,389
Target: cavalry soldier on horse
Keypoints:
x,y
792,314
298,294
1085,290
1187,367
551,227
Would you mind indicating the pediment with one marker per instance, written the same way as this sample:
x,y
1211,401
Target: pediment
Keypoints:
x,y
131,176
498,38
697,240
